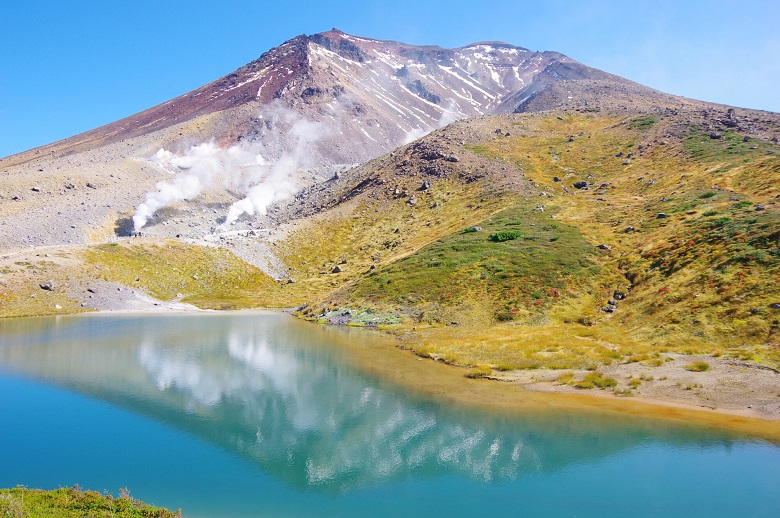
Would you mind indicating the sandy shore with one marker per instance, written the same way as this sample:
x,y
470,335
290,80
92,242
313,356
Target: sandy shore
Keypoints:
x,y
728,386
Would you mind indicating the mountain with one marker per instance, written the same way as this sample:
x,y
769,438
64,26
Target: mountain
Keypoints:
x,y
389,92
365,96
457,194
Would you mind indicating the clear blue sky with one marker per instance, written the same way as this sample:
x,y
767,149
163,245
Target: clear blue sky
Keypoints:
x,y
69,66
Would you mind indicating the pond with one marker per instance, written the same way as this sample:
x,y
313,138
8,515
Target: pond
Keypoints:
x,y
258,414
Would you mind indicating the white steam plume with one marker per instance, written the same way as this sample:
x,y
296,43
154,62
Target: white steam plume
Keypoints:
x,y
241,167
281,181
195,170
449,115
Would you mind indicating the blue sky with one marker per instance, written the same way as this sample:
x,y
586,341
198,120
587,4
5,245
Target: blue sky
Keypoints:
x,y
69,66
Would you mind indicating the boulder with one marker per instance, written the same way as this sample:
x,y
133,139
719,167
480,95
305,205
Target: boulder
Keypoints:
x,y
48,286
580,185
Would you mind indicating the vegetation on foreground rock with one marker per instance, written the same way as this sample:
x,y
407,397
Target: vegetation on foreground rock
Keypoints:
x,y
21,502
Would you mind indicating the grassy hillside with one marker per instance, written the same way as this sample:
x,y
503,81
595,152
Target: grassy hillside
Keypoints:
x,y
562,240
210,278
682,222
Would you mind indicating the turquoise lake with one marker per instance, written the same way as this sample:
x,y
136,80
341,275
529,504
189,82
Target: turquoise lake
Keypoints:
x,y
258,414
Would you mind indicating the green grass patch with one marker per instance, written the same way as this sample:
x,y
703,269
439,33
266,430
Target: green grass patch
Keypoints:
x,y
504,235
508,277
481,371
75,503
641,123
597,379
698,366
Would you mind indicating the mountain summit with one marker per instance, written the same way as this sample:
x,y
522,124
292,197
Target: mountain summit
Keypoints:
x,y
379,93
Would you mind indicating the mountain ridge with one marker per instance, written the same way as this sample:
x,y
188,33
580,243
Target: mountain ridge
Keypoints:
x,y
241,86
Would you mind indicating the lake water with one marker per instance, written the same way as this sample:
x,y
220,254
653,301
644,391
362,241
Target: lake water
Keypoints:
x,y
258,414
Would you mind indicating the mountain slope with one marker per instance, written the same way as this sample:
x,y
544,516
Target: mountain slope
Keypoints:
x,y
640,231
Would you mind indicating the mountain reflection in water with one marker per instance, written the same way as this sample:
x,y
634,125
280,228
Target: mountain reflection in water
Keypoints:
x,y
282,394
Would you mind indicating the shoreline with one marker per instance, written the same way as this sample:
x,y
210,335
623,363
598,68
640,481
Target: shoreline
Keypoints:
x,y
447,383
526,390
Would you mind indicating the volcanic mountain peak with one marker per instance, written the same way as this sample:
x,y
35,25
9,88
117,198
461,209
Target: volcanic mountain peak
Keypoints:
x,y
379,93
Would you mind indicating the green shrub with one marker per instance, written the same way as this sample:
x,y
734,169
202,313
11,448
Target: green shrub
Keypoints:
x,y
720,222
565,378
504,235
481,371
643,122
710,213
708,194
698,366
600,380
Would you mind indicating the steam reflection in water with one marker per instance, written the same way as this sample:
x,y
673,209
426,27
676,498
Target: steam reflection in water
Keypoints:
x,y
281,394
